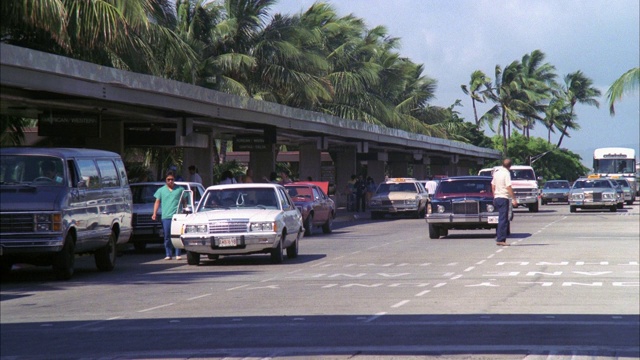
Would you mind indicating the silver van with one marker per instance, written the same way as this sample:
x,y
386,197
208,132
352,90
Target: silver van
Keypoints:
x,y
59,202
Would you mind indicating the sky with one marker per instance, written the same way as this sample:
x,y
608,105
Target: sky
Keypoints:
x,y
452,39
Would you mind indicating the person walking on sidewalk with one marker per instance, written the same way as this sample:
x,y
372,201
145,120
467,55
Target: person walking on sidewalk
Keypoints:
x,y
168,196
502,191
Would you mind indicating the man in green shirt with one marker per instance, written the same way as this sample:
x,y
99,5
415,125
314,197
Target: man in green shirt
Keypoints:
x,y
168,197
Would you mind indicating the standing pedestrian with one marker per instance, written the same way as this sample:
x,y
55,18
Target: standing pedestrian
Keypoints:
x,y
502,191
193,174
371,189
361,189
431,186
284,177
168,196
227,178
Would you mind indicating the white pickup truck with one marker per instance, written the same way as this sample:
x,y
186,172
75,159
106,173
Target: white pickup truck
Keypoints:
x,y
524,184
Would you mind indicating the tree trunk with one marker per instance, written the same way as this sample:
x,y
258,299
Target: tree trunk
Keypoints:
x,y
475,112
504,133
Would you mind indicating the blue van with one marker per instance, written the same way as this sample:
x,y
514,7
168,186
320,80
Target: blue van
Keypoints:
x,y
59,202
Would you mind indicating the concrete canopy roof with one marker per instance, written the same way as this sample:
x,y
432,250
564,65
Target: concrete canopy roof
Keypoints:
x,y
33,82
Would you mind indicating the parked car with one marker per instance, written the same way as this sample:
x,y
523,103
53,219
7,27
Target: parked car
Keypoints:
x,y
241,219
629,196
317,209
555,191
399,195
59,202
145,230
463,203
593,193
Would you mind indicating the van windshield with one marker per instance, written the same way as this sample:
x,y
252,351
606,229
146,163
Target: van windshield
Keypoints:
x,y
31,170
525,174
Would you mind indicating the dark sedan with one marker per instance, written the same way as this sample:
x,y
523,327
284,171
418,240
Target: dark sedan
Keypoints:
x,y
462,203
317,209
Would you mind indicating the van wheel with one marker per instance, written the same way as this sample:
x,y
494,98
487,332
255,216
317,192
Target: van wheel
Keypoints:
x,y
65,259
106,257
193,258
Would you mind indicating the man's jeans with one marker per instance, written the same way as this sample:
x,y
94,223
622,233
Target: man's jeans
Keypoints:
x,y
168,245
502,205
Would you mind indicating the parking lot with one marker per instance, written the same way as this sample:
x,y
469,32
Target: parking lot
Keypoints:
x,y
568,287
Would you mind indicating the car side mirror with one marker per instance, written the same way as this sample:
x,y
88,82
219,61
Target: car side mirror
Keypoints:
x,y
540,178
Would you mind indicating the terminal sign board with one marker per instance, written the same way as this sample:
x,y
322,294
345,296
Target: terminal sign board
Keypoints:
x,y
69,125
251,143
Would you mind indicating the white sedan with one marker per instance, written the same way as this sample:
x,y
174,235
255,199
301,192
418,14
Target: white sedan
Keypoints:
x,y
240,219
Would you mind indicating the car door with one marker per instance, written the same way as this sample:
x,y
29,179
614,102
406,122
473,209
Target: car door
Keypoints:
x,y
186,207
320,205
291,215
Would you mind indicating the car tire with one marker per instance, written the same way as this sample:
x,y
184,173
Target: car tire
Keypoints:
x,y
613,208
213,256
630,202
375,215
434,232
327,227
5,267
444,231
65,259
308,225
620,206
276,253
292,250
106,257
572,208
508,228
533,207
542,202
193,258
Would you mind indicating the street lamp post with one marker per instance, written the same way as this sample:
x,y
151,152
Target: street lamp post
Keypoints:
x,y
535,158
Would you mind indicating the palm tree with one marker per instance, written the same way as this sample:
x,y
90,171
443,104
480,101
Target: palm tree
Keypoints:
x,y
478,80
627,82
557,113
538,81
578,89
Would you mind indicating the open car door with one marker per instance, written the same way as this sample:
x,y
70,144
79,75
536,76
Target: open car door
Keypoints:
x,y
186,207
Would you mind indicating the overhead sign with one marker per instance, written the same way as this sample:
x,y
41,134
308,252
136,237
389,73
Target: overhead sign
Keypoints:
x,y
69,125
251,143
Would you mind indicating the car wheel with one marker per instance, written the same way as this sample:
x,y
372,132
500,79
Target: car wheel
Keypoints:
x,y
375,215
106,257
444,232
630,202
613,208
620,205
65,259
307,225
572,208
193,258
542,202
509,228
327,227
213,256
276,253
533,207
139,246
5,267
434,232
292,250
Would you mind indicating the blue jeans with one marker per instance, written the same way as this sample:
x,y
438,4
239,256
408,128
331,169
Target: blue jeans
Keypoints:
x,y
502,205
168,245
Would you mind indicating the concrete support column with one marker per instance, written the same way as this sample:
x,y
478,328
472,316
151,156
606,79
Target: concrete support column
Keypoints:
x,y
398,169
262,163
203,161
375,169
419,171
310,162
345,167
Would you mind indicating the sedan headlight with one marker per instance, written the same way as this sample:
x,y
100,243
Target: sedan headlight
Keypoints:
x,y
375,202
608,196
411,202
263,226
440,209
196,229
490,208
579,196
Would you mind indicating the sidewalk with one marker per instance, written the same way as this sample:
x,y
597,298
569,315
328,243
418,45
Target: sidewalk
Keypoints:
x,y
342,215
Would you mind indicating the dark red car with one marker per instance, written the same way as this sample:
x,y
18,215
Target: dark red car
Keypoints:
x,y
317,209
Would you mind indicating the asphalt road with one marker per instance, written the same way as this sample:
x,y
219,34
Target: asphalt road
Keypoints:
x,y
568,287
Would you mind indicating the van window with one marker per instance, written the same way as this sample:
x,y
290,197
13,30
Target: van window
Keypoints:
x,y
109,175
89,173
122,171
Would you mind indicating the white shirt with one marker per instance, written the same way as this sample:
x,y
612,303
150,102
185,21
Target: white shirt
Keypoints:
x,y
431,186
196,178
501,181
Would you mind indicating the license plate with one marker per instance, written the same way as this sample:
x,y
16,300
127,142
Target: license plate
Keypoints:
x,y
554,199
492,220
227,241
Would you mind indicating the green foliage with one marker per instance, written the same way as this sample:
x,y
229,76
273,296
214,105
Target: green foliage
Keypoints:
x,y
555,164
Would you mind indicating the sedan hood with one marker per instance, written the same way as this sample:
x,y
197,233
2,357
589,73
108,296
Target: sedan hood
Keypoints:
x,y
30,198
253,215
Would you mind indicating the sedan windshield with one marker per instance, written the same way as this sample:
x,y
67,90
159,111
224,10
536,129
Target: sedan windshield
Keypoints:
x,y
465,187
394,187
262,198
556,185
590,184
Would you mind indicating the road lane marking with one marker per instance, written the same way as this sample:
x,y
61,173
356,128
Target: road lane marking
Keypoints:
x,y
456,277
155,308
198,297
423,292
469,268
440,285
400,304
237,287
480,262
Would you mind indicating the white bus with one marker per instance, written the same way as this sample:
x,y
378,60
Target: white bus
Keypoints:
x,y
616,162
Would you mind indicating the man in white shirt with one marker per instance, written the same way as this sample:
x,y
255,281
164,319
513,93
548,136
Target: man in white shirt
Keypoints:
x,y
431,186
502,191
193,175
